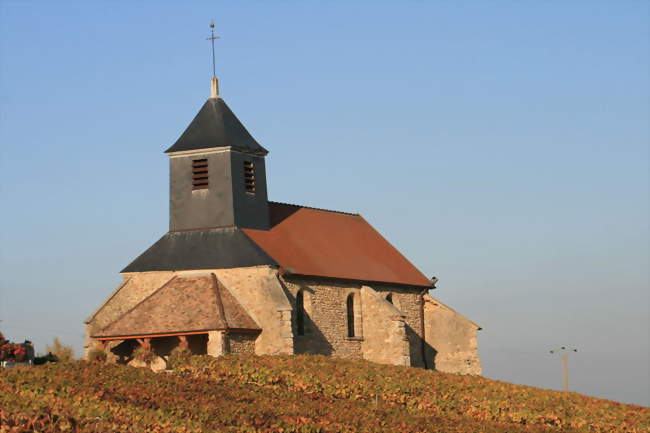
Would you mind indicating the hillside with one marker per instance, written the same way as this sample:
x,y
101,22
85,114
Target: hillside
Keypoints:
x,y
291,394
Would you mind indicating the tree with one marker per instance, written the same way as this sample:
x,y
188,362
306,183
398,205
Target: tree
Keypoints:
x,y
63,353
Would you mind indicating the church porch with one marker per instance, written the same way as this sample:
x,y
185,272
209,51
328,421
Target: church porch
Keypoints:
x,y
124,349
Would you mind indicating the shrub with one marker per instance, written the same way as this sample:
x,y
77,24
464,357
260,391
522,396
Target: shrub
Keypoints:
x,y
179,357
62,352
97,355
144,355
43,359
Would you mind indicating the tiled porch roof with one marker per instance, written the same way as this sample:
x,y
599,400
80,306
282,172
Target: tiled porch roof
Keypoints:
x,y
185,304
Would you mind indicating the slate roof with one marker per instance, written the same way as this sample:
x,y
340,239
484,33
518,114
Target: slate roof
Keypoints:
x,y
321,243
217,248
184,304
216,126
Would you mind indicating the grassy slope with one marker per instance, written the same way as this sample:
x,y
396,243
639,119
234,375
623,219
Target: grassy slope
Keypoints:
x,y
299,393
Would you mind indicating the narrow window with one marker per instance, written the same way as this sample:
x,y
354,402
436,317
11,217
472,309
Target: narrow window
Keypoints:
x,y
199,174
350,307
249,176
300,313
389,298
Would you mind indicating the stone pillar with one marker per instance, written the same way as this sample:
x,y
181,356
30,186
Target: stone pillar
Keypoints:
x,y
217,343
107,346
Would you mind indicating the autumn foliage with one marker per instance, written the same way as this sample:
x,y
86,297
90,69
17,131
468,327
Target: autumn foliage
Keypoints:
x,y
291,394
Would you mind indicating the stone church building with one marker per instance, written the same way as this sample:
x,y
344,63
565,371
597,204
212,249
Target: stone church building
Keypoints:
x,y
237,273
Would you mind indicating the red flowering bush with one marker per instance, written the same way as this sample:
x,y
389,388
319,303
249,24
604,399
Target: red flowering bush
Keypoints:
x,y
19,352
5,351
12,352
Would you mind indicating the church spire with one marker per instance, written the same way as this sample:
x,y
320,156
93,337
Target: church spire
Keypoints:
x,y
214,83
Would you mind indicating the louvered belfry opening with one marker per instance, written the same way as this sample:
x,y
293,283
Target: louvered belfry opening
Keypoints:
x,y
200,174
249,176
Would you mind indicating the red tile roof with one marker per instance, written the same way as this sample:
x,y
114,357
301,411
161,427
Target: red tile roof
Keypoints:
x,y
323,243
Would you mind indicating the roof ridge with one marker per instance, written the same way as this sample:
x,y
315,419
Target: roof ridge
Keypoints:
x,y
315,208
229,226
216,287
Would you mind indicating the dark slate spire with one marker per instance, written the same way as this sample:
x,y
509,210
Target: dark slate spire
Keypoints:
x,y
216,126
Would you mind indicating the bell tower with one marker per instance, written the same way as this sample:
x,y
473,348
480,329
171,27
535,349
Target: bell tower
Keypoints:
x,y
216,169
217,188
217,172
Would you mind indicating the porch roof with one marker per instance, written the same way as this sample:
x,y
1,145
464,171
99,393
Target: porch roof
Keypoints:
x,y
185,305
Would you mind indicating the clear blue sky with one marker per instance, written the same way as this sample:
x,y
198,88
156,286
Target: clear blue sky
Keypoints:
x,y
502,146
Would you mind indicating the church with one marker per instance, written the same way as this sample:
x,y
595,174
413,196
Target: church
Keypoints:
x,y
239,274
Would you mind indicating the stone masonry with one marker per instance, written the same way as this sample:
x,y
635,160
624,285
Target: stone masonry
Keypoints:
x,y
385,332
326,326
451,339
241,343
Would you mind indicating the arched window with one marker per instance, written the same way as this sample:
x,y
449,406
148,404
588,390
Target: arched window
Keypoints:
x,y
350,308
389,298
300,313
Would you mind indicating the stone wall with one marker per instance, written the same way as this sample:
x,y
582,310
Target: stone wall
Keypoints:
x,y
326,330
451,343
259,292
451,339
241,343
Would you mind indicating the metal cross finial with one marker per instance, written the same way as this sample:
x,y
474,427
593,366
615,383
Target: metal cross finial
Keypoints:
x,y
212,38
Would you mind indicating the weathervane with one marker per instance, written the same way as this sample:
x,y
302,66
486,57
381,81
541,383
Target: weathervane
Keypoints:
x,y
212,38
214,83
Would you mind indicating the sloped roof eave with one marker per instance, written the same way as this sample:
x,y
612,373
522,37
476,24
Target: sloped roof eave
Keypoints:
x,y
171,334
358,280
